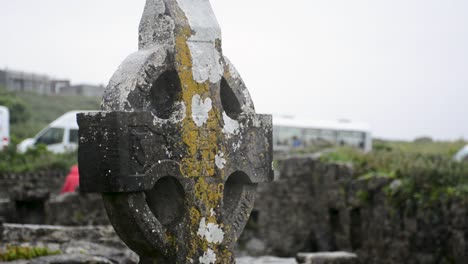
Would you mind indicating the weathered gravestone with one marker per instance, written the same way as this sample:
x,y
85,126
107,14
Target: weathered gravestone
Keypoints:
x,y
178,149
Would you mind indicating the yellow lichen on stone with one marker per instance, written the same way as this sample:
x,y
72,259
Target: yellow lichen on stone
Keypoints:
x,y
197,244
172,240
201,144
209,194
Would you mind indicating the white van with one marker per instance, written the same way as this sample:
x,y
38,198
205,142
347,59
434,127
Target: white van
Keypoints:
x,y
4,127
60,136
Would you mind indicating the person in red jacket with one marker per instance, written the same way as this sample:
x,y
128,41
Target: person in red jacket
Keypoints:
x,y
72,181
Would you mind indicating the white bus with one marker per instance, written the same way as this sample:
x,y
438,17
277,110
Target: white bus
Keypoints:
x,y
4,127
289,133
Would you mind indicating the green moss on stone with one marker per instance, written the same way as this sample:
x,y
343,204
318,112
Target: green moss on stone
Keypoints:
x,y
13,252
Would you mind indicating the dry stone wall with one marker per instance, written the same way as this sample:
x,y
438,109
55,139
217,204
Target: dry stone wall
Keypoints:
x,y
33,198
75,209
23,195
312,207
322,207
31,186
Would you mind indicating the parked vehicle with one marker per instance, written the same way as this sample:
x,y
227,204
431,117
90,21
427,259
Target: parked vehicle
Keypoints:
x,y
60,136
462,155
4,127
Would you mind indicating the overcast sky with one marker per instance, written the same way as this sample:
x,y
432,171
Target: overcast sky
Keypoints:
x,y
400,65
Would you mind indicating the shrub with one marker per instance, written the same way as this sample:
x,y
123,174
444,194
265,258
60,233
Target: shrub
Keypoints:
x,y
426,169
19,111
34,160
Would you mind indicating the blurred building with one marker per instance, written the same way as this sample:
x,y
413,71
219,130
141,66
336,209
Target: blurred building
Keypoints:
x,y
83,90
27,82
58,85
43,84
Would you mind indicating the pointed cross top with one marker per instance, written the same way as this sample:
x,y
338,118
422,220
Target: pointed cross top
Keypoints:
x,y
163,18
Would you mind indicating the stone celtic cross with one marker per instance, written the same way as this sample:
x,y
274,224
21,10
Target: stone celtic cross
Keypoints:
x,y
177,150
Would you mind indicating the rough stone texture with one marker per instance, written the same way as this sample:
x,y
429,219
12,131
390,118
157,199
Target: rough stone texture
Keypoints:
x,y
64,259
178,150
31,186
320,207
71,209
7,209
87,245
75,209
327,258
22,196
94,244
71,259
1,229
97,255
16,233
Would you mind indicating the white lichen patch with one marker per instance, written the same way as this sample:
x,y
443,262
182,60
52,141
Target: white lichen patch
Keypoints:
x,y
154,24
248,105
220,161
206,59
209,257
180,113
205,62
200,110
231,126
201,19
168,152
232,70
256,121
236,146
211,232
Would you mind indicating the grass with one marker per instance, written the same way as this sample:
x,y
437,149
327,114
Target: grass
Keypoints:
x,y
445,148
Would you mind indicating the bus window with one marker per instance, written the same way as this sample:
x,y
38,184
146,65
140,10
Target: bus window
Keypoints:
x,y
311,136
287,134
352,138
320,135
328,136
51,136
